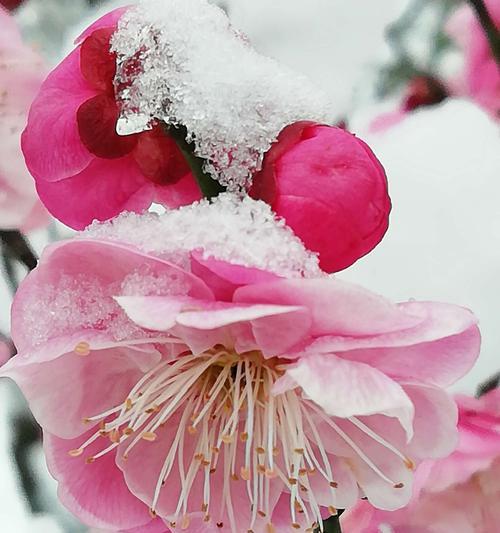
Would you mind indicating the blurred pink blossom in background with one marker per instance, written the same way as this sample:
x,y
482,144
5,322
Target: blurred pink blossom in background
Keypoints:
x,y
21,73
481,77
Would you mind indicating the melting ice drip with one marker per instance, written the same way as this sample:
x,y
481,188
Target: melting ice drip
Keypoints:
x,y
181,62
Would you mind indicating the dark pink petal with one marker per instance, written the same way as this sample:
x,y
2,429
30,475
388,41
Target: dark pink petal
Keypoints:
x,y
96,493
337,308
51,141
224,278
108,20
100,192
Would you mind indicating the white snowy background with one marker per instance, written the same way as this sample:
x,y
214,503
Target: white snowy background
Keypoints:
x,y
443,165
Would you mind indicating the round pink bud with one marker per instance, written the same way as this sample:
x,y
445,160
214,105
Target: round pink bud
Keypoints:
x,y
331,190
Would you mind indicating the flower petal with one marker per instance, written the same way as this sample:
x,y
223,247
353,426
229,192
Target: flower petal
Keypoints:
x,y
51,141
143,466
438,351
85,257
81,382
96,493
360,390
337,308
224,278
108,20
101,191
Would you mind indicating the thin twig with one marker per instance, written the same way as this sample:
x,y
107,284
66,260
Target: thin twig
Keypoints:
x,y
17,246
491,31
488,385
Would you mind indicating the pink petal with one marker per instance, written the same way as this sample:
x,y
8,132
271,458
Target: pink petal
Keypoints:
x,y
96,493
337,308
360,390
82,382
439,350
86,257
142,468
224,278
103,190
51,141
162,312
183,192
110,19
435,422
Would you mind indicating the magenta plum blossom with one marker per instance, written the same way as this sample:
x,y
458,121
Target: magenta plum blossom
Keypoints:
x,y
481,76
330,189
458,493
21,73
188,386
83,169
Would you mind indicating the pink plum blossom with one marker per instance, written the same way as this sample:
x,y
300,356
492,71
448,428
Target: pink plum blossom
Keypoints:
x,y
481,77
458,493
330,189
83,169
21,73
184,391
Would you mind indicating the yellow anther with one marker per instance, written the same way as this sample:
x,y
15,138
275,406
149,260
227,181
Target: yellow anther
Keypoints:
x,y
149,436
245,473
409,464
82,348
75,453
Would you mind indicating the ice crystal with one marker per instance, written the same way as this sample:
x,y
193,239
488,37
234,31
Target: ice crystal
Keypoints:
x,y
181,62
243,232
75,303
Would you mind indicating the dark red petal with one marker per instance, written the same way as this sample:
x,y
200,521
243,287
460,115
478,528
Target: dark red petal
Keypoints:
x,y
97,63
424,91
97,119
11,4
159,158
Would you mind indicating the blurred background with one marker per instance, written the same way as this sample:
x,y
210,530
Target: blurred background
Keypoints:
x,y
399,76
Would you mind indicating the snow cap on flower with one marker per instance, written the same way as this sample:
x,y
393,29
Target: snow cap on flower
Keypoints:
x,y
21,73
217,388
196,70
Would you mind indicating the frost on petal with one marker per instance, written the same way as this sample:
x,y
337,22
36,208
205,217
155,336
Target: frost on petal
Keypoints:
x,y
192,63
242,232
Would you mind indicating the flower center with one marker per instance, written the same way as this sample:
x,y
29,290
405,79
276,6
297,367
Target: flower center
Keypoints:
x,y
223,403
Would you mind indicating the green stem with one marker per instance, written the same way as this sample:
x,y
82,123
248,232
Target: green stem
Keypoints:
x,y
490,30
210,188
